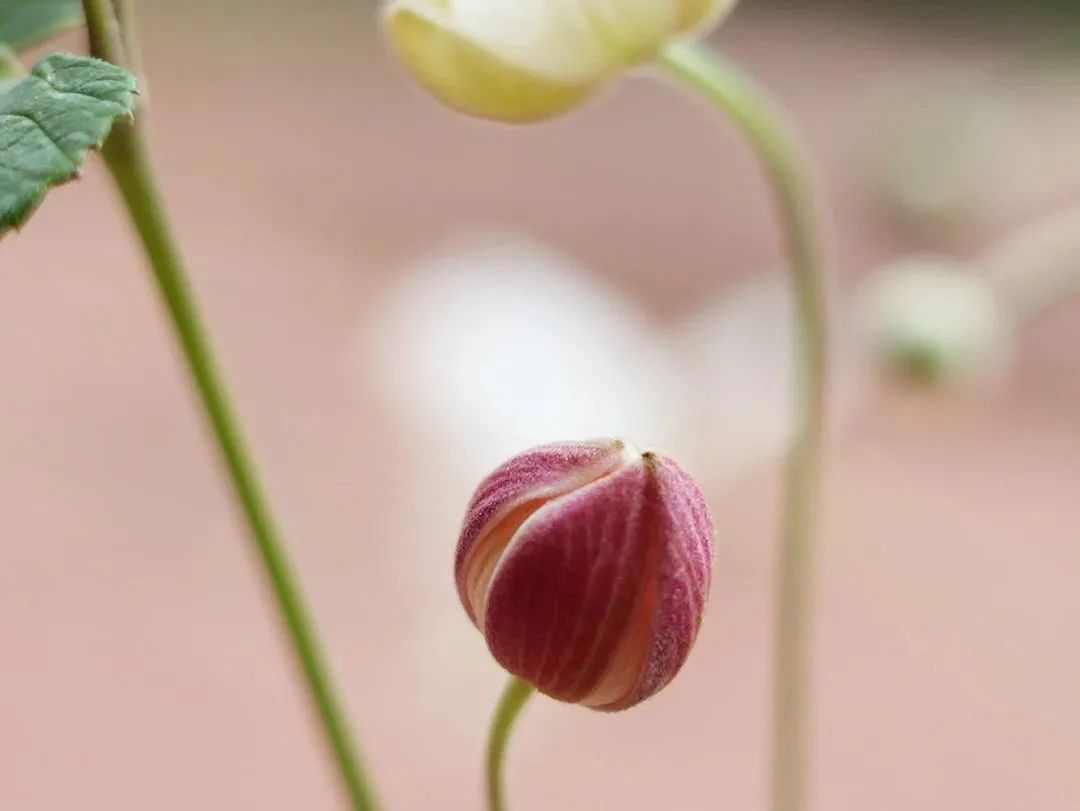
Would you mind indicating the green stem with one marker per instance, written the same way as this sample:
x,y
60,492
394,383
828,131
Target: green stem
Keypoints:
x,y
129,162
103,28
124,10
735,93
511,701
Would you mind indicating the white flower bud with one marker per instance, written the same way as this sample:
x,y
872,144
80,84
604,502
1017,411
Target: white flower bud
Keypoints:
x,y
936,319
526,60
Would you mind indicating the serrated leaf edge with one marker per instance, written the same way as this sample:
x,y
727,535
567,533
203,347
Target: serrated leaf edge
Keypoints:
x,y
19,216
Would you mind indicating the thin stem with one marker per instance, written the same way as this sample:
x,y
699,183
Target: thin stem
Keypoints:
x,y
128,159
103,28
1034,268
511,701
735,93
125,16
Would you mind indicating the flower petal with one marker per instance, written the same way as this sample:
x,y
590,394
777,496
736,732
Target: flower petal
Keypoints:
x,y
513,492
683,578
699,16
564,593
471,78
634,31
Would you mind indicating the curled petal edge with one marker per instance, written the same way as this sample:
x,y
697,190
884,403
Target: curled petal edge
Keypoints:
x,y
478,559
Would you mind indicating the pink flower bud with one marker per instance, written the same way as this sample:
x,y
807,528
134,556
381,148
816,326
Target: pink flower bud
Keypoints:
x,y
586,565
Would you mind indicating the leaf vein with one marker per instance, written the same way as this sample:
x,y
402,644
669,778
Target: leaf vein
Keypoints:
x,y
52,140
71,103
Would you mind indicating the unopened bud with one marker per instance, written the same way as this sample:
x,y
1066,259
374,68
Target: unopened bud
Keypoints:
x,y
936,319
587,568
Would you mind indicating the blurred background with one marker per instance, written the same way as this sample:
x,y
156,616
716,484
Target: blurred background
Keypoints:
x,y
402,297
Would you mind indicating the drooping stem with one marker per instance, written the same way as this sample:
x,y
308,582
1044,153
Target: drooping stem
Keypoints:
x,y
511,701
735,93
128,160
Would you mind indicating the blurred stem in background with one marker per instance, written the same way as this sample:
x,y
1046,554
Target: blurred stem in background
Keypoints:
x,y
1037,267
510,704
128,160
732,91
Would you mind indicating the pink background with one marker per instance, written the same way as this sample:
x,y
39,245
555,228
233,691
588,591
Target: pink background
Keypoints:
x,y
139,661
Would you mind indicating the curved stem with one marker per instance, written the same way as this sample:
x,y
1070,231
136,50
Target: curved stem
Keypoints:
x,y
734,92
129,162
511,701
1034,268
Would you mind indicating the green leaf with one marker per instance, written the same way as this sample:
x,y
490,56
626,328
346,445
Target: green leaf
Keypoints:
x,y
47,122
27,22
